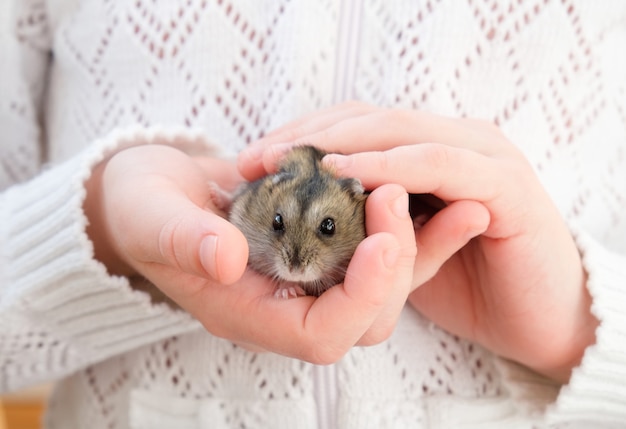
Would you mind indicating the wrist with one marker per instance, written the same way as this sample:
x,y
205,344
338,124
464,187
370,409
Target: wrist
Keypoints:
x,y
97,231
583,335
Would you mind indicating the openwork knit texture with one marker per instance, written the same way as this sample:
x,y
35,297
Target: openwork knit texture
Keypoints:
x,y
549,73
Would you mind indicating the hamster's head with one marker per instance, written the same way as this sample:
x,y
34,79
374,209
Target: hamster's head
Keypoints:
x,y
302,225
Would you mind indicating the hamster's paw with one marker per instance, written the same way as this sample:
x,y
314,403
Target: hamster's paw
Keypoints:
x,y
289,291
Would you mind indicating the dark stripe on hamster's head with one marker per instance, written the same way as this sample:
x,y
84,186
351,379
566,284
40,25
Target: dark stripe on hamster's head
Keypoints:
x,y
314,187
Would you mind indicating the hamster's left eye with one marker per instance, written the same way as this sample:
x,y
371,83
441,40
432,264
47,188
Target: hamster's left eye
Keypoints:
x,y
327,227
278,224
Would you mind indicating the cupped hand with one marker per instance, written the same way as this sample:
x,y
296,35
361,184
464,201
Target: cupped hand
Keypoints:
x,y
151,212
518,287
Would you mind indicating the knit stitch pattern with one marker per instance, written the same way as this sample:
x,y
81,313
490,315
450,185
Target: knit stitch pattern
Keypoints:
x,y
123,73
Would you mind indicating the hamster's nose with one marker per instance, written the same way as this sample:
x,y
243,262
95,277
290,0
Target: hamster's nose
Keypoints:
x,y
296,261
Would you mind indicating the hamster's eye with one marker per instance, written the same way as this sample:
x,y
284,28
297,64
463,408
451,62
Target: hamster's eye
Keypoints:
x,y
327,227
278,224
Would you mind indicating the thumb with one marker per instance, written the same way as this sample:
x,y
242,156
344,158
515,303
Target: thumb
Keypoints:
x,y
155,202
202,243
445,234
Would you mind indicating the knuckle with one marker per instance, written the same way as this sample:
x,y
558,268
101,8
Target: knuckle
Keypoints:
x,y
437,156
174,244
382,161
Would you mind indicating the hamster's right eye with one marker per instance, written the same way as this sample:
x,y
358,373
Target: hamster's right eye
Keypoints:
x,y
278,224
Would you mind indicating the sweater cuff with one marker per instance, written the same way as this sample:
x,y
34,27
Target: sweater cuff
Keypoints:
x,y
597,388
53,286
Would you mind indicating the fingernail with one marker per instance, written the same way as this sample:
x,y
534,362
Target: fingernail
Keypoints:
x,y
280,149
400,206
336,161
253,152
390,257
208,253
276,153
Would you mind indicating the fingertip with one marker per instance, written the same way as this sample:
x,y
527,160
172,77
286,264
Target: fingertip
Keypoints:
x,y
337,162
479,219
273,154
258,160
250,162
224,256
393,195
464,219
387,209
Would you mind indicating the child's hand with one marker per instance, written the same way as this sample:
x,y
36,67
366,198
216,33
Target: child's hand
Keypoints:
x,y
150,212
519,287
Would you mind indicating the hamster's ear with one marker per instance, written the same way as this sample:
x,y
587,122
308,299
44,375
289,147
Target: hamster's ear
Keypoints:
x,y
352,185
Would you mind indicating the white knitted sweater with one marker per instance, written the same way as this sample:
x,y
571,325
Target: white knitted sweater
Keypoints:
x,y
550,73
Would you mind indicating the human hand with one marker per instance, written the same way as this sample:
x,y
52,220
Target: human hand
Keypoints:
x,y
150,212
518,288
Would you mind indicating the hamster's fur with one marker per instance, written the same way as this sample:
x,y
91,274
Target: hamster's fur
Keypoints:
x,y
302,224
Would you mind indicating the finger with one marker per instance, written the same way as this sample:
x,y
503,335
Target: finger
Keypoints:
x,y
446,233
359,127
202,243
440,242
379,129
370,285
250,160
315,121
387,211
447,172
169,229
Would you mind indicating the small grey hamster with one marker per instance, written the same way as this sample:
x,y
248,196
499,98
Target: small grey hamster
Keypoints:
x,y
302,223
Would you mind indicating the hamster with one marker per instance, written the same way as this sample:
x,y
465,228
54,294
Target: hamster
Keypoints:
x,y
302,223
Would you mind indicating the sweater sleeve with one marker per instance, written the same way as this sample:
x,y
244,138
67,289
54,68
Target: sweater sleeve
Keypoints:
x,y
59,308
